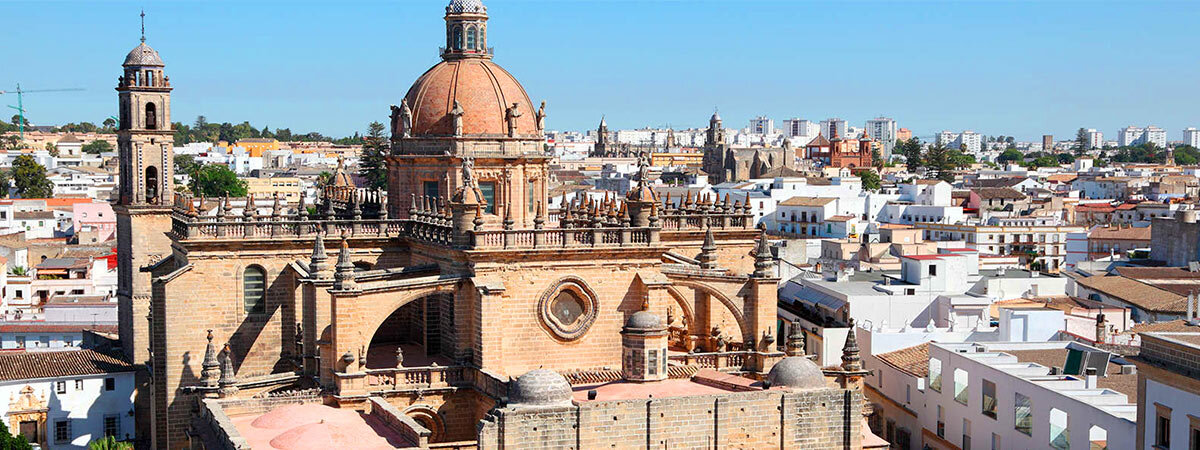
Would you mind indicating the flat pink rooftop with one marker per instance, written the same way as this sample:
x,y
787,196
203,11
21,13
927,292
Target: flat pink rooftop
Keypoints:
x,y
315,426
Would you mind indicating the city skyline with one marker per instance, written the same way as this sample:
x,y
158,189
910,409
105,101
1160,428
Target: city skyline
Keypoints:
x,y
311,68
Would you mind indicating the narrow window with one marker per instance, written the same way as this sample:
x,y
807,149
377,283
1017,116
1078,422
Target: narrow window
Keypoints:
x,y
966,434
1162,426
961,389
489,193
79,385
932,270
989,399
430,189
151,117
62,431
60,387
941,422
110,384
1060,435
112,425
253,290
458,38
471,38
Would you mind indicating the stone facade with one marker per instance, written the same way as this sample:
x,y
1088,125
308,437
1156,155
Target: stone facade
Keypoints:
x,y
434,299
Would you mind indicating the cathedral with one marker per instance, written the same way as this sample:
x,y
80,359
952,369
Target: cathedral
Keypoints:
x,y
455,310
724,163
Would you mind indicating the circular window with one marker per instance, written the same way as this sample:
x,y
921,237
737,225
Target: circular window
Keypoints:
x,y
568,308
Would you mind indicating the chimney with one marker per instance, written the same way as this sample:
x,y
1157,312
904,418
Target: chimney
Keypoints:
x,y
1090,378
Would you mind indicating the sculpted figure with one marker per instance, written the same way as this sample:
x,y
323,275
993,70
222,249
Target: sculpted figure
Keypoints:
x,y
457,114
510,116
541,117
405,119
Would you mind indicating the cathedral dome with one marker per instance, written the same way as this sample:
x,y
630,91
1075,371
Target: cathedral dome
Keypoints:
x,y
540,387
143,55
796,372
483,90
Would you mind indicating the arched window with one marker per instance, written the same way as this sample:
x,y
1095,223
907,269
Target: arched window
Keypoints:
x,y
152,185
151,117
149,78
458,38
254,288
471,36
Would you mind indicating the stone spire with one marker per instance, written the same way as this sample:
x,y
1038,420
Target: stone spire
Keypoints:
x,y
210,368
850,359
318,265
762,257
344,278
795,340
228,381
708,251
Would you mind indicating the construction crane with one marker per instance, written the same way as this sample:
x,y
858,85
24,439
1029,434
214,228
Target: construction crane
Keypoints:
x,y
21,103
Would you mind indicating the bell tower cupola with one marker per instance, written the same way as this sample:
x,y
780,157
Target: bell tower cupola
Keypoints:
x,y
144,135
466,30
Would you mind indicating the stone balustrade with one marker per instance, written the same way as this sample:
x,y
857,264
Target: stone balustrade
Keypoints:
x,y
713,360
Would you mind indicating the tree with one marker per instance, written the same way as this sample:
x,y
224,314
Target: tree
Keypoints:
x,y
53,149
939,163
960,159
1066,158
876,158
30,178
1081,141
1010,155
109,123
215,180
911,149
372,164
97,147
186,164
870,180
109,443
10,442
324,178
17,120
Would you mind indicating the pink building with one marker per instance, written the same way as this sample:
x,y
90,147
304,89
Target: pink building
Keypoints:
x,y
94,220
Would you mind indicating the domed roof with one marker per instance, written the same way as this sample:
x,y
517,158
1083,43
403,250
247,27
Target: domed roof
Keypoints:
x,y
460,6
644,320
715,117
143,55
796,372
540,387
482,88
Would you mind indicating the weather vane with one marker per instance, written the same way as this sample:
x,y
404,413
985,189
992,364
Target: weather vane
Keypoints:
x,y
143,26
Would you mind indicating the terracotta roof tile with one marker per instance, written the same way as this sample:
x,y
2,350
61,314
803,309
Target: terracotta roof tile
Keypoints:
x,y
1126,233
28,365
912,360
994,192
1136,293
807,201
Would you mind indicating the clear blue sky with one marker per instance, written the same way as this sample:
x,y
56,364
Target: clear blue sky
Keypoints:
x,y
1012,68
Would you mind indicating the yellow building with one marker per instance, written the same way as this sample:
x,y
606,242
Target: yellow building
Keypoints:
x,y
290,187
664,159
257,146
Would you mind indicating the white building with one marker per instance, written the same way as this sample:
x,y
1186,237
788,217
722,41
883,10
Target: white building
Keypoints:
x,y
1169,407
833,126
70,401
1095,139
1132,135
1191,136
796,127
1005,395
883,129
762,125
972,141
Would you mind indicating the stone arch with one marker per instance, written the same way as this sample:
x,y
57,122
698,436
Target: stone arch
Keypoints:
x,y
683,305
734,309
429,418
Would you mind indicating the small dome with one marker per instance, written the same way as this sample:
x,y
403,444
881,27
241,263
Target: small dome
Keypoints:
x,y
642,193
540,387
461,6
143,55
796,372
645,320
715,117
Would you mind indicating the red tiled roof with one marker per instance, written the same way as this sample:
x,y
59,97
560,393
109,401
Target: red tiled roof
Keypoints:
x,y
42,327
29,365
912,360
922,257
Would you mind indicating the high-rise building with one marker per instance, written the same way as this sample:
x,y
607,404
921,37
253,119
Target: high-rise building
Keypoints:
x,y
833,127
762,125
795,127
1191,136
903,134
883,130
1132,135
1047,142
1095,139
968,140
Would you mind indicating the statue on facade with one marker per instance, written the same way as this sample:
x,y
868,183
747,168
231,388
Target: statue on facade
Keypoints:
x,y
468,172
405,119
395,120
456,114
541,117
510,117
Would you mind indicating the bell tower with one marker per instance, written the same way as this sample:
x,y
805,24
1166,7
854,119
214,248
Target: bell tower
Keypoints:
x,y
145,153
